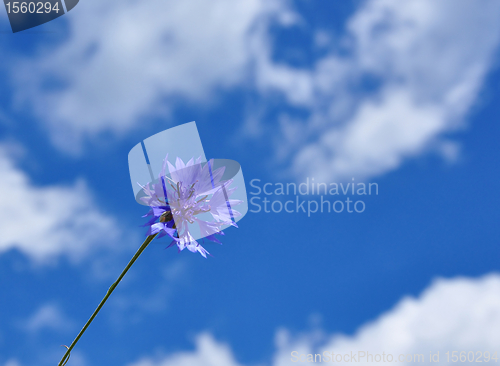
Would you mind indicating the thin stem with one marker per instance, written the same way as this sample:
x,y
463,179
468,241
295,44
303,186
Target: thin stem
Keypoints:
x,y
65,358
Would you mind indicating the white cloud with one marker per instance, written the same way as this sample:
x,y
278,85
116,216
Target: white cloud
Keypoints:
x,y
459,314
453,314
377,139
208,352
426,61
123,58
44,222
48,316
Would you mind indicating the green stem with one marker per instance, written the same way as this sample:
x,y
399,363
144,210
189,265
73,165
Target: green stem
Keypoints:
x,y
65,358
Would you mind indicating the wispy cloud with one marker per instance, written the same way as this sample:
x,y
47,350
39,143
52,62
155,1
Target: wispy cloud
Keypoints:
x,y
406,73
48,316
400,77
12,362
122,59
452,314
133,305
45,222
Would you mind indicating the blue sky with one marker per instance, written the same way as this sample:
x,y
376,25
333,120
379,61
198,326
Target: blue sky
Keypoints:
x,y
399,94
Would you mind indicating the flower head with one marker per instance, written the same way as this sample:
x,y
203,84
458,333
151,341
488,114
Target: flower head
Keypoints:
x,y
179,202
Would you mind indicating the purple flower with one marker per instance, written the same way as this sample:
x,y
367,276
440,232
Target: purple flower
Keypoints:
x,y
192,190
